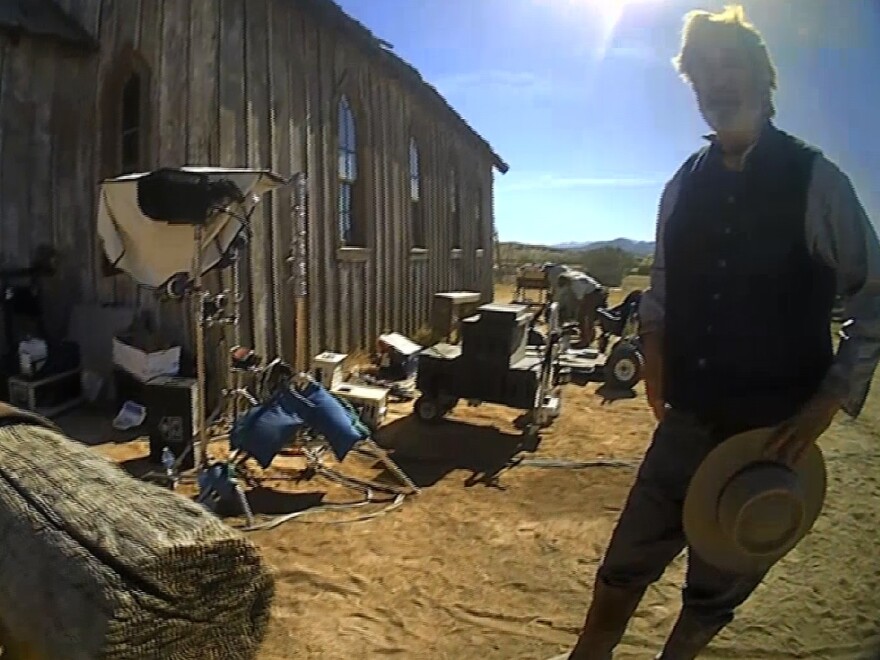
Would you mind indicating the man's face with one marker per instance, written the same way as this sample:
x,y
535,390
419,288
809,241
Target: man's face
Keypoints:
x,y
729,94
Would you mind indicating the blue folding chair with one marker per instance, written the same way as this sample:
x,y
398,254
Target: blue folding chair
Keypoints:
x,y
325,414
266,429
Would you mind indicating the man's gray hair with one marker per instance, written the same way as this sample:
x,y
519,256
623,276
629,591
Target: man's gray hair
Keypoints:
x,y
703,29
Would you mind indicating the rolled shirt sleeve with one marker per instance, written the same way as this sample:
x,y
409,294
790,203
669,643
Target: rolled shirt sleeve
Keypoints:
x,y
653,303
840,233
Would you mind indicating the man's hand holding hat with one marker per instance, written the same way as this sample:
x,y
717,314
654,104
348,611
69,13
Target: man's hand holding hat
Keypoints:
x,y
794,436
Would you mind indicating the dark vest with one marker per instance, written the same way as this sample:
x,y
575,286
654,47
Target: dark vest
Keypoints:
x,y
748,308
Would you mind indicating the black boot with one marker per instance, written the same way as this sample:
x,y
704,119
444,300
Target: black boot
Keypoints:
x,y
688,637
607,618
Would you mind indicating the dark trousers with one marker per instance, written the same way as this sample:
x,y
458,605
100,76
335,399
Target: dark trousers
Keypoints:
x,y
649,533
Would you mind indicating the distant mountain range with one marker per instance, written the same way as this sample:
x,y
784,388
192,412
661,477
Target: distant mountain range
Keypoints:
x,y
641,248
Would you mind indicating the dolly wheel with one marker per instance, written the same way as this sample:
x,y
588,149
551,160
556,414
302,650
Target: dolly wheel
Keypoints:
x,y
624,367
428,410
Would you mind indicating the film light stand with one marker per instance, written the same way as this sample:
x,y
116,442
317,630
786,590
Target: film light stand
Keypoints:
x,y
240,360
208,310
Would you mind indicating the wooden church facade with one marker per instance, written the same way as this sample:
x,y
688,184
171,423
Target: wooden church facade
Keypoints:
x,y
399,187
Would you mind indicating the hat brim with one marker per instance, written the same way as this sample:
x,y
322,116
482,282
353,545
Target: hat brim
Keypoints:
x,y
699,516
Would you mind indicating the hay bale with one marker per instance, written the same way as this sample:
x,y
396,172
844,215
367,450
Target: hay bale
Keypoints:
x,y
96,564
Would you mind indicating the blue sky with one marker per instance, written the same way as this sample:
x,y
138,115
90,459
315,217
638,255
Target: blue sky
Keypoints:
x,y
580,98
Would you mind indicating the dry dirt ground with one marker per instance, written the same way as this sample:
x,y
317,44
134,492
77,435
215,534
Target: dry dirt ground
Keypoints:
x,y
496,564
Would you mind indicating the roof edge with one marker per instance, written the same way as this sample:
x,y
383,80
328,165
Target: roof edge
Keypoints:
x,y
330,12
46,19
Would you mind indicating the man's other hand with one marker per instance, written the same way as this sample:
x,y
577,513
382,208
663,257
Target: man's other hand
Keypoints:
x,y
654,390
794,436
652,344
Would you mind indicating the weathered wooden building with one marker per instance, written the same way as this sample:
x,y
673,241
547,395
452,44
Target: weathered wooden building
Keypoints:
x,y
399,186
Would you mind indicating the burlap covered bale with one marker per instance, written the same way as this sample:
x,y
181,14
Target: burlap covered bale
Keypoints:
x,y
96,564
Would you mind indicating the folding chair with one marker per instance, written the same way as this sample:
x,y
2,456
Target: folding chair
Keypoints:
x,y
298,413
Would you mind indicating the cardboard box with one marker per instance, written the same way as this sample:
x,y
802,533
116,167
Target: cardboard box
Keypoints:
x,y
399,356
370,401
327,368
146,366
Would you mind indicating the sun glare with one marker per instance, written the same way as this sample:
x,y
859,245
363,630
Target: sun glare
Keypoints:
x,y
607,13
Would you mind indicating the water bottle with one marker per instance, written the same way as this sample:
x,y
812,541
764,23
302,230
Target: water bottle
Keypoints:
x,y
168,460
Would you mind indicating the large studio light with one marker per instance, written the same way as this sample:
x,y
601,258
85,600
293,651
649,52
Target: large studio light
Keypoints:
x,y
142,224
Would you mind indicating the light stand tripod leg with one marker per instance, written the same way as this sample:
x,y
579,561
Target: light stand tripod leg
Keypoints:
x,y
244,504
201,446
236,324
391,466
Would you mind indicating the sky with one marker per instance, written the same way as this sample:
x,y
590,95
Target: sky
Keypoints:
x,y
580,98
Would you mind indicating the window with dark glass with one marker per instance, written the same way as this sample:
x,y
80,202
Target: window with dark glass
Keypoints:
x,y
131,124
455,208
415,197
478,217
349,228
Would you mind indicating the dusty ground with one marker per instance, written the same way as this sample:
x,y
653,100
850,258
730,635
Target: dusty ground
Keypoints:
x,y
500,567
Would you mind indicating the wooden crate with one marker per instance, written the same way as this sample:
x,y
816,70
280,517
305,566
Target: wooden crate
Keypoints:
x,y
48,396
531,277
447,311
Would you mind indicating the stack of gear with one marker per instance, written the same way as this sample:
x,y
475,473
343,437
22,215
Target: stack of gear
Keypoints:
x,y
97,564
493,356
493,364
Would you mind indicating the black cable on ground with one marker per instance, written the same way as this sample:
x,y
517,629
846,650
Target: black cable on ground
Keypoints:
x,y
566,464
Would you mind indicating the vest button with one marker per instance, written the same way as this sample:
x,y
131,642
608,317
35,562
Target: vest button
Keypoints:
x,y
716,296
727,231
722,263
701,363
731,199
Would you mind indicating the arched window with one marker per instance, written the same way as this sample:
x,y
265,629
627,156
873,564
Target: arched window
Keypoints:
x,y
349,227
125,115
455,208
415,197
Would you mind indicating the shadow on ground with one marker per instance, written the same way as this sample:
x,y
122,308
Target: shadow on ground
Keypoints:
x,y
263,498
428,453
139,467
93,425
610,394
272,502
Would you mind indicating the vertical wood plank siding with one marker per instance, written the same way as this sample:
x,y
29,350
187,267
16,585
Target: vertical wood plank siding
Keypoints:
x,y
242,83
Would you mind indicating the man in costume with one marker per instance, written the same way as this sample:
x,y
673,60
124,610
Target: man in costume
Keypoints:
x,y
757,234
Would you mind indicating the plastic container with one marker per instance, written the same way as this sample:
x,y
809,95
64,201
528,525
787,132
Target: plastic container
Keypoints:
x,y
32,354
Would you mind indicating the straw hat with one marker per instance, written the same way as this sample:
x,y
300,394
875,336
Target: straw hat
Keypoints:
x,y
743,513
